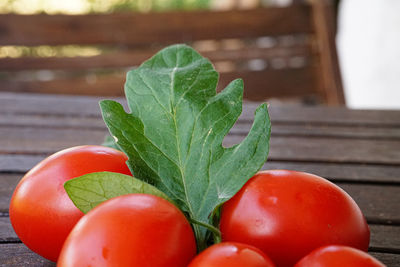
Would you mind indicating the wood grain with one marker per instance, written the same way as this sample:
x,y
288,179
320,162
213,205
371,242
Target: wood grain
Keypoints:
x,y
131,58
379,203
342,172
144,29
389,259
358,150
18,163
8,182
383,237
330,150
241,127
330,78
123,32
87,106
381,240
291,148
259,84
373,174
19,255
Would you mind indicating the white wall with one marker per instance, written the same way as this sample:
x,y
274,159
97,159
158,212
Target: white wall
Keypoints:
x,y
369,52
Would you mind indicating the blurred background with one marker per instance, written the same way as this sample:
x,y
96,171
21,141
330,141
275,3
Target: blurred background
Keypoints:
x,y
302,52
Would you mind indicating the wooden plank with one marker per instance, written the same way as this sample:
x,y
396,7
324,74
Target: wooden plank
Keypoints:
x,y
19,164
8,182
104,85
139,29
241,128
335,131
330,150
380,204
258,84
132,58
50,121
326,115
342,172
330,78
273,82
389,259
383,237
24,103
61,105
19,255
42,141
316,149
7,233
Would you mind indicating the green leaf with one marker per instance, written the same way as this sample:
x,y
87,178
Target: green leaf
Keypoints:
x,y
173,135
89,190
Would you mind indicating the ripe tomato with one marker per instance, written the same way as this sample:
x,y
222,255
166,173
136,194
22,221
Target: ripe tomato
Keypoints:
x,y
231,254
332,256
287,214
130,230
41,212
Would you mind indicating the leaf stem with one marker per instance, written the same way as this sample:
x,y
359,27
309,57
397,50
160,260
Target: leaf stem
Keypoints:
x,y
216,232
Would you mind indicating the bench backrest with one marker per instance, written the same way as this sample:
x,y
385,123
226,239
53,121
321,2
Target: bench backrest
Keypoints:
x,y
279,52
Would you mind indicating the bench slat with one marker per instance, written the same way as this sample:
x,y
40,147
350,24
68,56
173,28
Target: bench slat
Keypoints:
x,y
13,167
132,58
378,202
382,236
19,255
141,29
291,148
302,83
85,106
241,128
389,259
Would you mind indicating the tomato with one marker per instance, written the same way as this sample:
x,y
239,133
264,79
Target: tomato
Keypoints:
x,y
287,214
231,254
41,212
130,230
332,256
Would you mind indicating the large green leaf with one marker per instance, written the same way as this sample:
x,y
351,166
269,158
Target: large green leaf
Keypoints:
x,y
173,135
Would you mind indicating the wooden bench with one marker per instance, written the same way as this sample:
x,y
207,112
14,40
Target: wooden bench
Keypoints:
x,y
279,52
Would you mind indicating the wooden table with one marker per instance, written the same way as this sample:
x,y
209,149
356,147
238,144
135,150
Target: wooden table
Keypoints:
x,y
358,150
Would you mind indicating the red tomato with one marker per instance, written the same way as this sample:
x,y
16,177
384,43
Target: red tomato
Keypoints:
x,y
130,230
41,212
287,214
231,254
333,256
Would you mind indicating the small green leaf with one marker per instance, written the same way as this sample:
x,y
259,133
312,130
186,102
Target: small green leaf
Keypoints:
x,y
173,135
89,190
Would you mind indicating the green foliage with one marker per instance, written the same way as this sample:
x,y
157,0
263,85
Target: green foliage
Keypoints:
x,y
173,135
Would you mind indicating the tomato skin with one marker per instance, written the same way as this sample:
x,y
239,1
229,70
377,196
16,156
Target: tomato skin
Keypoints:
x,y
287,214
130,230
333,255
231,254
41,212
